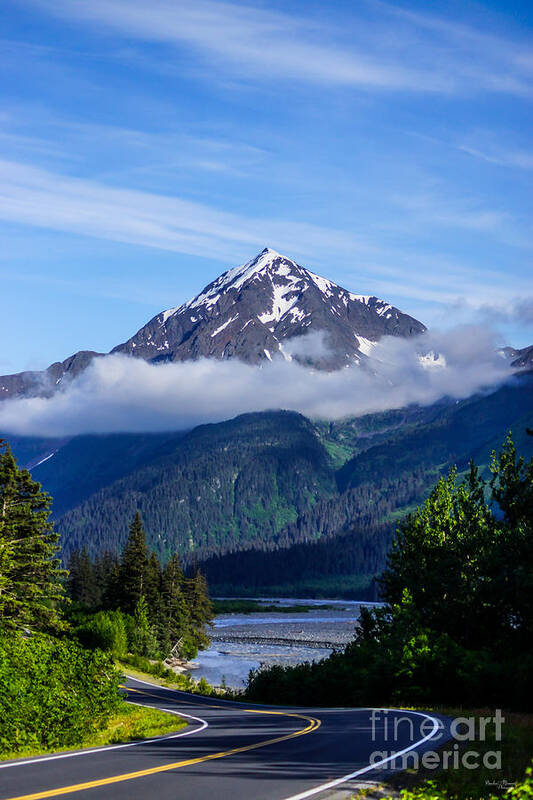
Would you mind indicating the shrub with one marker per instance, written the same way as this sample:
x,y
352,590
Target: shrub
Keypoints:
x,y
53,693
105,630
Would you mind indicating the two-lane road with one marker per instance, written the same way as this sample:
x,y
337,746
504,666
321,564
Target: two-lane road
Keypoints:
x,y
230,751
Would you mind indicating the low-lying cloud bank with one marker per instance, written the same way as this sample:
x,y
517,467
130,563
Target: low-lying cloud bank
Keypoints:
x,y
117,393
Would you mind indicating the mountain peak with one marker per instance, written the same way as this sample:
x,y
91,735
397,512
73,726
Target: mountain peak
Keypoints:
x,y
251,313
252,310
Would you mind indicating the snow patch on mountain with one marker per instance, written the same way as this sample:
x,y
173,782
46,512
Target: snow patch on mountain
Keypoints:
x,y
224,325
366,346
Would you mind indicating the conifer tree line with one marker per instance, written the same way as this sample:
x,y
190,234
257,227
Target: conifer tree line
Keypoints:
x,y
456,625
30,575
136,604
53,692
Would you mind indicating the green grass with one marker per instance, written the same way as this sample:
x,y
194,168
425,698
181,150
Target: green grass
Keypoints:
x,y
173,680
144,670
129,724
516,747
135,722
339,453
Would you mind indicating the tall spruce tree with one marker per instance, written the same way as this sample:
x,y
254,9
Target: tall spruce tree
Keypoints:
x,y
153,586
83,584
30,574
200,609
144,640
133,567
174,614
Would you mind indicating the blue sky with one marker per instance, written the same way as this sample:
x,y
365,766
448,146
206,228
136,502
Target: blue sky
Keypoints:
x,y
146,147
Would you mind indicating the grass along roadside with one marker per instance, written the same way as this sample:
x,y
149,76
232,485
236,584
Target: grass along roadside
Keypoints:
x,y
168,678
157,673
132,722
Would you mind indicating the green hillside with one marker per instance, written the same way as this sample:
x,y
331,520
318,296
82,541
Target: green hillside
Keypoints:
x,y
212,490
272,499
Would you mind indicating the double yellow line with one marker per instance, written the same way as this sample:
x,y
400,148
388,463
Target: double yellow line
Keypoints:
x,y
128,776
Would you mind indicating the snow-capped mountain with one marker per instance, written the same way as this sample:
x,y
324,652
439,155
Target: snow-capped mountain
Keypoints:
x,y
520,359
254,312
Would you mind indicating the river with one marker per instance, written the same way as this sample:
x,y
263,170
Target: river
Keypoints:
x,y
241,642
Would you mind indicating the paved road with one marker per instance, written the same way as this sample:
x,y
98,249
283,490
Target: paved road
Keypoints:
x,y
230,751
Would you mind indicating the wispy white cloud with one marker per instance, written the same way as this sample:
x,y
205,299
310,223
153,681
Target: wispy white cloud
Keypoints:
x,y
482,57
50,200
277,45
521,159
44,199
464,213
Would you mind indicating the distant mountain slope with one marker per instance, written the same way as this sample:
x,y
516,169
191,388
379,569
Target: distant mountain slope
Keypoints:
x,y
78,468
464,430
45,382
250,313
342,542
215,489
521,359
253,495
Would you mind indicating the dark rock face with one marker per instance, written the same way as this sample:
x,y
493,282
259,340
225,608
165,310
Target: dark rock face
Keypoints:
x,y
46,382
254,313
521,359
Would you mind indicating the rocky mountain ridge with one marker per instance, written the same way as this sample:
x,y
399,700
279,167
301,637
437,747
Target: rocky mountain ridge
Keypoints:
x,y
254,313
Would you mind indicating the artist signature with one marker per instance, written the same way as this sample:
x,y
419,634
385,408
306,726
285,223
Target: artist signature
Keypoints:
x,y
499,784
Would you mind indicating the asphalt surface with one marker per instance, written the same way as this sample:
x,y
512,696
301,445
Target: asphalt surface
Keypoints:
x,y
232,751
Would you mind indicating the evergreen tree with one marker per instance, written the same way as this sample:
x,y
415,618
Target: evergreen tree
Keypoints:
x,y
512,557
133,567
83,584
153,586
200,609
30,577
107,569
466,564
144,641
173,616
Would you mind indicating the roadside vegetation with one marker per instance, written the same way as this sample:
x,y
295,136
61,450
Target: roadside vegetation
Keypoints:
x,y
516,746
157,672
128,724
457,625
131,604
59,683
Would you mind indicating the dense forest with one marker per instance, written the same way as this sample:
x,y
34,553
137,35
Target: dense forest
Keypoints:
x,y
219,486
348,534
59,686
457,620
272,500
133,604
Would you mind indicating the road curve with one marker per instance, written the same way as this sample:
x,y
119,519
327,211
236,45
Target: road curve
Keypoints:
x,y
231,751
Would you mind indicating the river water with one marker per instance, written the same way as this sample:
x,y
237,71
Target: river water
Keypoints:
x,y
241,642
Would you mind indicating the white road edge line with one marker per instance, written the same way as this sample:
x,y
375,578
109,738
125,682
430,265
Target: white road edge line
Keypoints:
x,y
107,748
338,781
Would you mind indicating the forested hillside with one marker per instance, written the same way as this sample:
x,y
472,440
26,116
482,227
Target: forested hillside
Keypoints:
x,y
349,534
271,499
215,489
459,432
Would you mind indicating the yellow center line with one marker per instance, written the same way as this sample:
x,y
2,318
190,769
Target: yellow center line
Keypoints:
x,y
314,723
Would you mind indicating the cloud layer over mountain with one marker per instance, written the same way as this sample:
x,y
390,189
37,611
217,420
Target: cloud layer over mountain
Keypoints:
x,y
118,393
